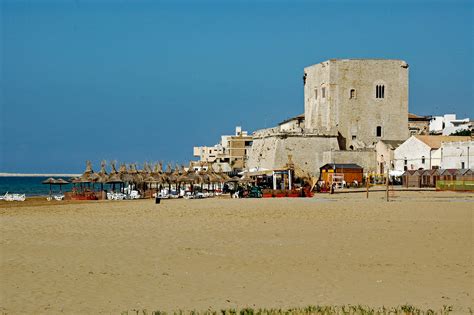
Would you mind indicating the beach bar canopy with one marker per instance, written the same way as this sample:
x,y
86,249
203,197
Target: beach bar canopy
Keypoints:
x,y
283,175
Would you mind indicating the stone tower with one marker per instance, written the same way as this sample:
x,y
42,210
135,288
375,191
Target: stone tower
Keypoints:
x,y
359,100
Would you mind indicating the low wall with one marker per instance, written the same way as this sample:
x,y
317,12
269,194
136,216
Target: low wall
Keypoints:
x,y
455,185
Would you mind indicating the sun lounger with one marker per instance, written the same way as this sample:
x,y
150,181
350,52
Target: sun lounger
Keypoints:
x,y
134,194
14,197
116,196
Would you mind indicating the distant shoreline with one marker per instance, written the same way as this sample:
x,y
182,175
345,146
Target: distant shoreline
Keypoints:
x,y
37,175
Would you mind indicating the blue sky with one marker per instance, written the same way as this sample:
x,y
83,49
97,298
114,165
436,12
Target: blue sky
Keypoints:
x,y
142,81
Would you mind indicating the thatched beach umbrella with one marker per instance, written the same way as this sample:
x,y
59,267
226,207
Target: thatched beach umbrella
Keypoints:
x,y
151,180
86,176
102,175
114,177
49,181
157,173
224,177
191,177
61,182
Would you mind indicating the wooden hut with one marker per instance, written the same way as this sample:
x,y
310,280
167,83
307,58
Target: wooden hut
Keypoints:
x,y
349,172
467,174
411,178
449,174
429,178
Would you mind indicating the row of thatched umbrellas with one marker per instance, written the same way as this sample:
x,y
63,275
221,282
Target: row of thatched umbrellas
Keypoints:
x,y
150,176
51,181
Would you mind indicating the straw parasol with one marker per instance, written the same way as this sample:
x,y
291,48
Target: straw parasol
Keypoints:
x,y
151,180
49,181
137,176
191,177
61,182
157,173
173,177
124,174
147,168
86,176
114,176
102,175
224,177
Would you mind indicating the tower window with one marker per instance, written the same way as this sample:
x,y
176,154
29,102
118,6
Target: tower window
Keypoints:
x,y
352,94
316,93
380,91
378,131
323,92
422,160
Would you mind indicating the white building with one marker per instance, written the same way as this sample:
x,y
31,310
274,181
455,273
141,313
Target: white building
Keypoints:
x,y
448,124
232,151
422,152
457,154
385,154
209,154
294,124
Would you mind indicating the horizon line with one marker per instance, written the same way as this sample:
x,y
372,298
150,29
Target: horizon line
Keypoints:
x,y
38,175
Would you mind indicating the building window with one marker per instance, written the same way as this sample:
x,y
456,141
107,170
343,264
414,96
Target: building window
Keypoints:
x,y
422,160
354,137
316,93
462,165
352,94
378,131
380,91
323,92
406,162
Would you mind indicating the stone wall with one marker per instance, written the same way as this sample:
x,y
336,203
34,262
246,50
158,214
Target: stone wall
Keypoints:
x,y
356,115
367,159
271,151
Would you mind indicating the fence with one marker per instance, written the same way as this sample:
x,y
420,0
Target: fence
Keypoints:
x,y
455,185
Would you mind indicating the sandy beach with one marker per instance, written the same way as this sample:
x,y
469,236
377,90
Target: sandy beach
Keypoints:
x,y
109,257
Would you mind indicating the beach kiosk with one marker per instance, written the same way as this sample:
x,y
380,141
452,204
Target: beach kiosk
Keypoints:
x,y
336,173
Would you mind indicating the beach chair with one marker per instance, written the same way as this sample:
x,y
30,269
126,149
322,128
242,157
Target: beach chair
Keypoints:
x,y
19,197
58,197
188,195
134,194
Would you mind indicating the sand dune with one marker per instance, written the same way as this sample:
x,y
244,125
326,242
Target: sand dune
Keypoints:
x,y
107,257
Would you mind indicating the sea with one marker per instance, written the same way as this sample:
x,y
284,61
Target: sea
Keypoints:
x,y
31,186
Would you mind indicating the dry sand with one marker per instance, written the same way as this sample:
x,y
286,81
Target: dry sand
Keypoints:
x,y
107,257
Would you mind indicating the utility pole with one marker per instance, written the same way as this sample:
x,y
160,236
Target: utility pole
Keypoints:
x,y
387,180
